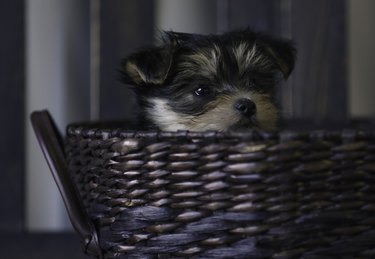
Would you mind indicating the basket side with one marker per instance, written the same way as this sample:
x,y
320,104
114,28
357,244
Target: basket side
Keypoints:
x,y
209,195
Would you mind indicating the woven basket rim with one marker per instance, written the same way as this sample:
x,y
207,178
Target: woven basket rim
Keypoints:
x,y
103,132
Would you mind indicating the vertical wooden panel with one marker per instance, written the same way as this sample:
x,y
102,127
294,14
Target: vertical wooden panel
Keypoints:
x,y
259,15
320,79
361,54
125,26
57,62
12,114
192,16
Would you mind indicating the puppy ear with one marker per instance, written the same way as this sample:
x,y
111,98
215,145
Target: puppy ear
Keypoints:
x,y
282,52
148,66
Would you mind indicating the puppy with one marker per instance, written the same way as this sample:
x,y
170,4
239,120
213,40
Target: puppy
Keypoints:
x,y
210,82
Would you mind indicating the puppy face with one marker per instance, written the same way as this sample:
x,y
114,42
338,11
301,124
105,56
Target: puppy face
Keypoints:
x,y
214,82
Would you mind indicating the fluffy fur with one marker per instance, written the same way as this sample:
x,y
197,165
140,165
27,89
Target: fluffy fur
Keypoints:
x,y
210,82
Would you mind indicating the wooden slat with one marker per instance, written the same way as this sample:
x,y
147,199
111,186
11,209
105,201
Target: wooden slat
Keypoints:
x,y
319,83
125,26
12,68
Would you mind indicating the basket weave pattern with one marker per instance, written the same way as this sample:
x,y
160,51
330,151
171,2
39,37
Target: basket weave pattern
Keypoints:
x,y
216,195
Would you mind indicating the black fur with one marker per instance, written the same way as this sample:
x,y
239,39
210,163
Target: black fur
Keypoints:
x,y
168,71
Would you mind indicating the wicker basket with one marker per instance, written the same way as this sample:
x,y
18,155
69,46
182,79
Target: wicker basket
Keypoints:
x,y
226,195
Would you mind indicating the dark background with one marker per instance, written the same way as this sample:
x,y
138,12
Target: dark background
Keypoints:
x,y
317,89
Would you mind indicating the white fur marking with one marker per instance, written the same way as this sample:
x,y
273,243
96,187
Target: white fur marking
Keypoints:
x,y
163,116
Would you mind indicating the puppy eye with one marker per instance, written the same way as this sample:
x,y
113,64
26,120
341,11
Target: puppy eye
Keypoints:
x,y
253,83
202,91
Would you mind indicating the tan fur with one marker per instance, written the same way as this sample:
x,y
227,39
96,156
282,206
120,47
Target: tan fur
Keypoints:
x,y
205,62
219,114
140,78
134,73
267,113
247,59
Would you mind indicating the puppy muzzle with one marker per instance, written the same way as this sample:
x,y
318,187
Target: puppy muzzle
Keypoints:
x,y
245,107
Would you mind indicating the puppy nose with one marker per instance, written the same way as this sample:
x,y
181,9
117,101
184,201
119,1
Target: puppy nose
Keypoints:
x,y
245,106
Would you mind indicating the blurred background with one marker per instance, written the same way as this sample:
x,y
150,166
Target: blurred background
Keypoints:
x,y
63,55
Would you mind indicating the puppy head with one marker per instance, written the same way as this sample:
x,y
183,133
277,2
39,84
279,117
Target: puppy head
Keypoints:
x,y
212,82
